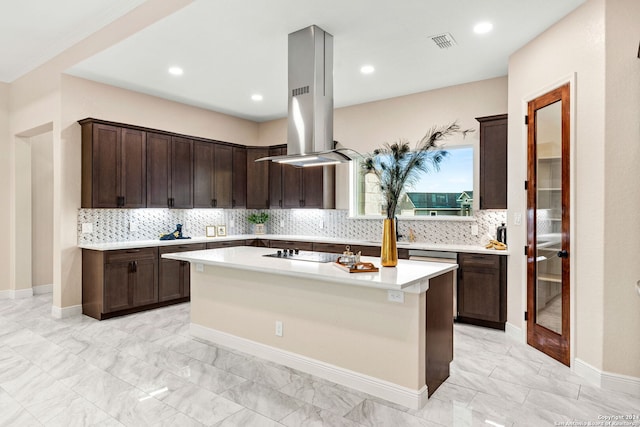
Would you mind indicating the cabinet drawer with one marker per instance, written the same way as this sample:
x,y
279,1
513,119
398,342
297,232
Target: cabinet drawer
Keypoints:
x,y
181,248
334,248
225,244
478,260
258,243
291,244
130,255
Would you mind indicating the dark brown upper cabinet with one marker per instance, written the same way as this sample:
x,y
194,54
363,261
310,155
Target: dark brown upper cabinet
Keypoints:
x,y
113,166
275,178
239,193
310,187
257,178
493,162
220,175
203,177
169,171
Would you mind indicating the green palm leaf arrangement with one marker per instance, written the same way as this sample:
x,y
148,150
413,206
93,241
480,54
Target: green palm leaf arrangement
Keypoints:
x,y
396,165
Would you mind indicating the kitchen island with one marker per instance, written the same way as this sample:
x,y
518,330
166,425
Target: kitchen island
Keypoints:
x,y
388,333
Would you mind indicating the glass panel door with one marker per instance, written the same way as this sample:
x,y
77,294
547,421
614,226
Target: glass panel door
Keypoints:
x,y
548,224
548,215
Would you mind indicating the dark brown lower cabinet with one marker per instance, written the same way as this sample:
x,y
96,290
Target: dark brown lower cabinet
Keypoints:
x,y
291,244
439,331
175,276
226,244
482,290
118,282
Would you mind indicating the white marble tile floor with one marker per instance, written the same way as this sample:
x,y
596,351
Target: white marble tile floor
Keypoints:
x,y
145,369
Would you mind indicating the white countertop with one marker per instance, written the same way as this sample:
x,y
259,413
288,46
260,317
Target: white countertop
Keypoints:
x,y
408,276
407,245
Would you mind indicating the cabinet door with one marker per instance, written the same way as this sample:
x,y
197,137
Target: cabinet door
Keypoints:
x,y
257,179
116,285
239,199
181,173
275,179
493,162
133,169
105,174
174,276
170,283
481,291
144,282
203,174
223,167
158,170
312,192
292,187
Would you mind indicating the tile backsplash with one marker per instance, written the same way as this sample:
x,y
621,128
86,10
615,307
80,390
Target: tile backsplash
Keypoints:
x,y
113,225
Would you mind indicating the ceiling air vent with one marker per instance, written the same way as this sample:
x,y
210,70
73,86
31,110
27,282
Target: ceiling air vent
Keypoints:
x,y
444,41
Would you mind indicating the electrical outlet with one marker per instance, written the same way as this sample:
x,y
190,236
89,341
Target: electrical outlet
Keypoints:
x,y
282,223
200,268
87,228
232,223
474,230
395,296
321,223
278,328
133,226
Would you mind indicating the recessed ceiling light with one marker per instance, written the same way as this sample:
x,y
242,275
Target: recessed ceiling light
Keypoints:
x,y
483,27
256,97
367,69
176,71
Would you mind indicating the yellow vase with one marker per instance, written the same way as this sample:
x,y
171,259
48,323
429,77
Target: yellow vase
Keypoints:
x,y
389,251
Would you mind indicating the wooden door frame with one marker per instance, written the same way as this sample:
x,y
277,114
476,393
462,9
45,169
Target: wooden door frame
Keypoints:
x,y
568,227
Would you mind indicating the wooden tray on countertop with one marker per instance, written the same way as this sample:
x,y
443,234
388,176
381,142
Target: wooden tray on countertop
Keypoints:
x,y
365,267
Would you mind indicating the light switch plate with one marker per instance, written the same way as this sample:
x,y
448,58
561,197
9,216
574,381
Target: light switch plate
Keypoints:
x,y
517,218
133,226
199,268
474,230
87,228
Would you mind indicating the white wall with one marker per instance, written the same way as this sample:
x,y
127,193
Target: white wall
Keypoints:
x,y
5,170
605,244
621,241
42,209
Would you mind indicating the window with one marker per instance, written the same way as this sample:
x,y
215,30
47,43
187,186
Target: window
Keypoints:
x,y
447,192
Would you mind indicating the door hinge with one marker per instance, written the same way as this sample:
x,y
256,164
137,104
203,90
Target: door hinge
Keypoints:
x,y
526,250
526,315
526,120
526,185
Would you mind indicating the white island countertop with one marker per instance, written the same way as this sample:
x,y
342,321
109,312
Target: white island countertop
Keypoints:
x,y
408,276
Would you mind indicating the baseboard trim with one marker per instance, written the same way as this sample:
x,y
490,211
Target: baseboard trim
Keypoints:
x,y
43,289
607,380
514,332
64,312
21,293
383,389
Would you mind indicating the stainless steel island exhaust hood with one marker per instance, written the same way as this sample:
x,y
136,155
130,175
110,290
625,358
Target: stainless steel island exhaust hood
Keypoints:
x,y
310,119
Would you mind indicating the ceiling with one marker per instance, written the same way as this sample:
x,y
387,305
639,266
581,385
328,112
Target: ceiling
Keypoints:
x,y
231,49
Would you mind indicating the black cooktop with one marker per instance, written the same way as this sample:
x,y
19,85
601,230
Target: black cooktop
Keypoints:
x,y
299,255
